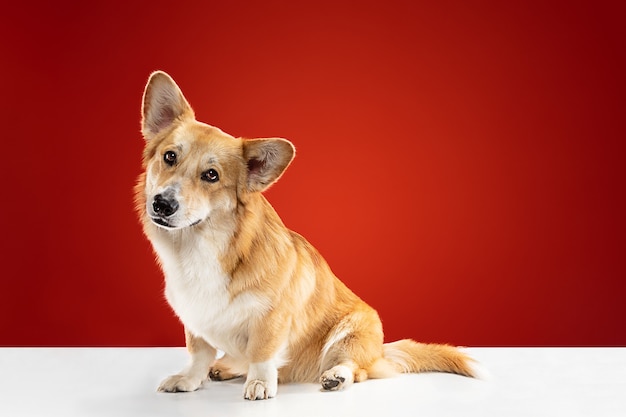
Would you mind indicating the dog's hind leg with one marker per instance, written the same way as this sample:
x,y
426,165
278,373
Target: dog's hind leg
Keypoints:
x,y
351,348
226,368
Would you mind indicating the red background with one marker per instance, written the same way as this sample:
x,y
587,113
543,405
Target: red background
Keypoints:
x,y
460,164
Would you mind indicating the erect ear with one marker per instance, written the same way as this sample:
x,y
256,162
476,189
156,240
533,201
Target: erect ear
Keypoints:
x,y
163,102
267,159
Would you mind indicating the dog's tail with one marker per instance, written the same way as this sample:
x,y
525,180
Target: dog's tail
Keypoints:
x,y
408,356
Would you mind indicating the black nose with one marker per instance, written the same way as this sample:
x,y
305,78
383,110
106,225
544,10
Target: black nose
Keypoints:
x,y
163,206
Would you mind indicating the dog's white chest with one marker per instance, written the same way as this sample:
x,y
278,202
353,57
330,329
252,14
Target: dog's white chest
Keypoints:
x,y
197,289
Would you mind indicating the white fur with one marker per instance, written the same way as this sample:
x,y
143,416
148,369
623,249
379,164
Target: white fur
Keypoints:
x,y
197,289
337,335
262,381
190,378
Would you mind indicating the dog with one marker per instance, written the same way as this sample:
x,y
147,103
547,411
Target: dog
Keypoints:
x,y
242,282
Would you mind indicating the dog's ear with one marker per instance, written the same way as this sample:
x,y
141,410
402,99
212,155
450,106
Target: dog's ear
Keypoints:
x,y
163,103
266,159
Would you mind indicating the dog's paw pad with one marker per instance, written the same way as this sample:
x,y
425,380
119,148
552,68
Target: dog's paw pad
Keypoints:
x,y
179,383
332,382
337,378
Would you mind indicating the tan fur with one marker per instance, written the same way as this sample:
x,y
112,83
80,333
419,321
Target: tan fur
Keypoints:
x,y
300,319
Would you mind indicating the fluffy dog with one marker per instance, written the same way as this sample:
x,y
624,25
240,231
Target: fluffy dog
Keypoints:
x,y
238,279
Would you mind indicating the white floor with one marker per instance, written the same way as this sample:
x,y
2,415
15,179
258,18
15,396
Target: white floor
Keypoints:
x,y
122,382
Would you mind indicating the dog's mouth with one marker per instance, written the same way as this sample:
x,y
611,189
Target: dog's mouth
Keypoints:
x,y
164,223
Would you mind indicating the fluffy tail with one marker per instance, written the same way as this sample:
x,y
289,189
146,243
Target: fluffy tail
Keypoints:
x,y
408,356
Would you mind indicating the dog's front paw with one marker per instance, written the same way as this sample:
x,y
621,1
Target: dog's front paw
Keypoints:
x,y
179,383
259,390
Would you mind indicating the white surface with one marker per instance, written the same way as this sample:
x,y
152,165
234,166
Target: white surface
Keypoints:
x,y
122,382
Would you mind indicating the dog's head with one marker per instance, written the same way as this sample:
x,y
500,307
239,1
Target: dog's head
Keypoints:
x,y
194,171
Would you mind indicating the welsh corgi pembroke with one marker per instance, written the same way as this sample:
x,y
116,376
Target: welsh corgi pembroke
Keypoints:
x,y
242,282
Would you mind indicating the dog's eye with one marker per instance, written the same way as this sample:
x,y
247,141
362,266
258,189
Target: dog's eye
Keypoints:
x,y
170,157
210,175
